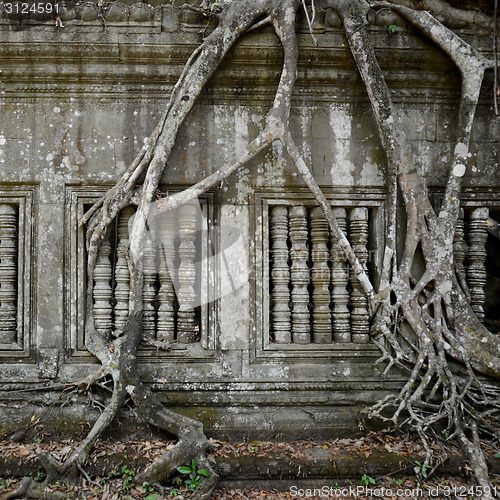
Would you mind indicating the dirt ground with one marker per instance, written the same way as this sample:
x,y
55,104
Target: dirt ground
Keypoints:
x,y
115,482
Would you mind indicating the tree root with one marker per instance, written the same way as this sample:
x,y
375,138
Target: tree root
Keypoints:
x,y
430,320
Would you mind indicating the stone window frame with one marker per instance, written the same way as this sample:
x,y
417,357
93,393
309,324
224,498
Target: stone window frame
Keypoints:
x,y
76,198
24,197
261,347
472,197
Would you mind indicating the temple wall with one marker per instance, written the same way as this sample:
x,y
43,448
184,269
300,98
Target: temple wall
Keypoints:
x,y
77,104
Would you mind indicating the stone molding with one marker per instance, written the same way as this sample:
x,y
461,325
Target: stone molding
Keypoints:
x,y
264,200
116,62
23,198
77,198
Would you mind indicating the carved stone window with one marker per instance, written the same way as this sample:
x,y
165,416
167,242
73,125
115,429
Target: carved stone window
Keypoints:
x,y
314,297
171,292
311,298
16,265
8,273
177,281
477,250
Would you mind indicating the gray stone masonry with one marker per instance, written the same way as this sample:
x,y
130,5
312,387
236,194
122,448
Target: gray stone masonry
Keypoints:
x,y
77,102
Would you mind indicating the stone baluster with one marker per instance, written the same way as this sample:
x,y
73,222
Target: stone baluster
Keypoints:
x,y
280,275
166,294
149,289
301,326
122,275
460,248
102,290
321,328
360,327
8,273
340,281
476,273
187,274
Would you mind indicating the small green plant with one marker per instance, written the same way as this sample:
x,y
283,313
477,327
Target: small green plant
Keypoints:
x,y
194,475
39,475
398,482
349,482
114,472
421,469
366,480
392,28
127,475
147,488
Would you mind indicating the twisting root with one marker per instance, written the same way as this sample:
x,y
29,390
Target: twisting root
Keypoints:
x,y
434,308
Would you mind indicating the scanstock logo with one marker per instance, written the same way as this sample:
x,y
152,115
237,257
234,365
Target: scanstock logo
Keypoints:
x,y
214,260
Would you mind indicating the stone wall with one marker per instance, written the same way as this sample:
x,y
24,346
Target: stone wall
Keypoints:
x,y
78,102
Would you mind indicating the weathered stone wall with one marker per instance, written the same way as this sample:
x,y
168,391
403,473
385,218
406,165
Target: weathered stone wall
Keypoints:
x,y
77,104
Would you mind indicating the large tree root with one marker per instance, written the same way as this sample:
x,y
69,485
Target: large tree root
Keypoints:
x,y
421,321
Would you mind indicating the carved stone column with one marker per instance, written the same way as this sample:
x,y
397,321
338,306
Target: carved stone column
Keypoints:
x,y
301,327
460,247
8,273
322,330
166,295
149,289
280,275
187,274
340,280
476,273
360,327
122,275
102,290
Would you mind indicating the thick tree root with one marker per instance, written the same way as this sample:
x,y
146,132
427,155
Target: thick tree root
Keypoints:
x,y
430,318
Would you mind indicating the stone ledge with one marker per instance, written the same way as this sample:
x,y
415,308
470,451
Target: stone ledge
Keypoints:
x,y
131,11
313,468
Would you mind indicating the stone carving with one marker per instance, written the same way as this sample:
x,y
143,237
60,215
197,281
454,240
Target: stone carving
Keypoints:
x,y
166,295
358,226
329,296
301,327
149,290
340,280
322,331
187,274
102,290
460,247
8,273
122,275
476,273
280,275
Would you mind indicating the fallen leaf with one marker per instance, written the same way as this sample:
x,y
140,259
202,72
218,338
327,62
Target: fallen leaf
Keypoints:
x,y
23,452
